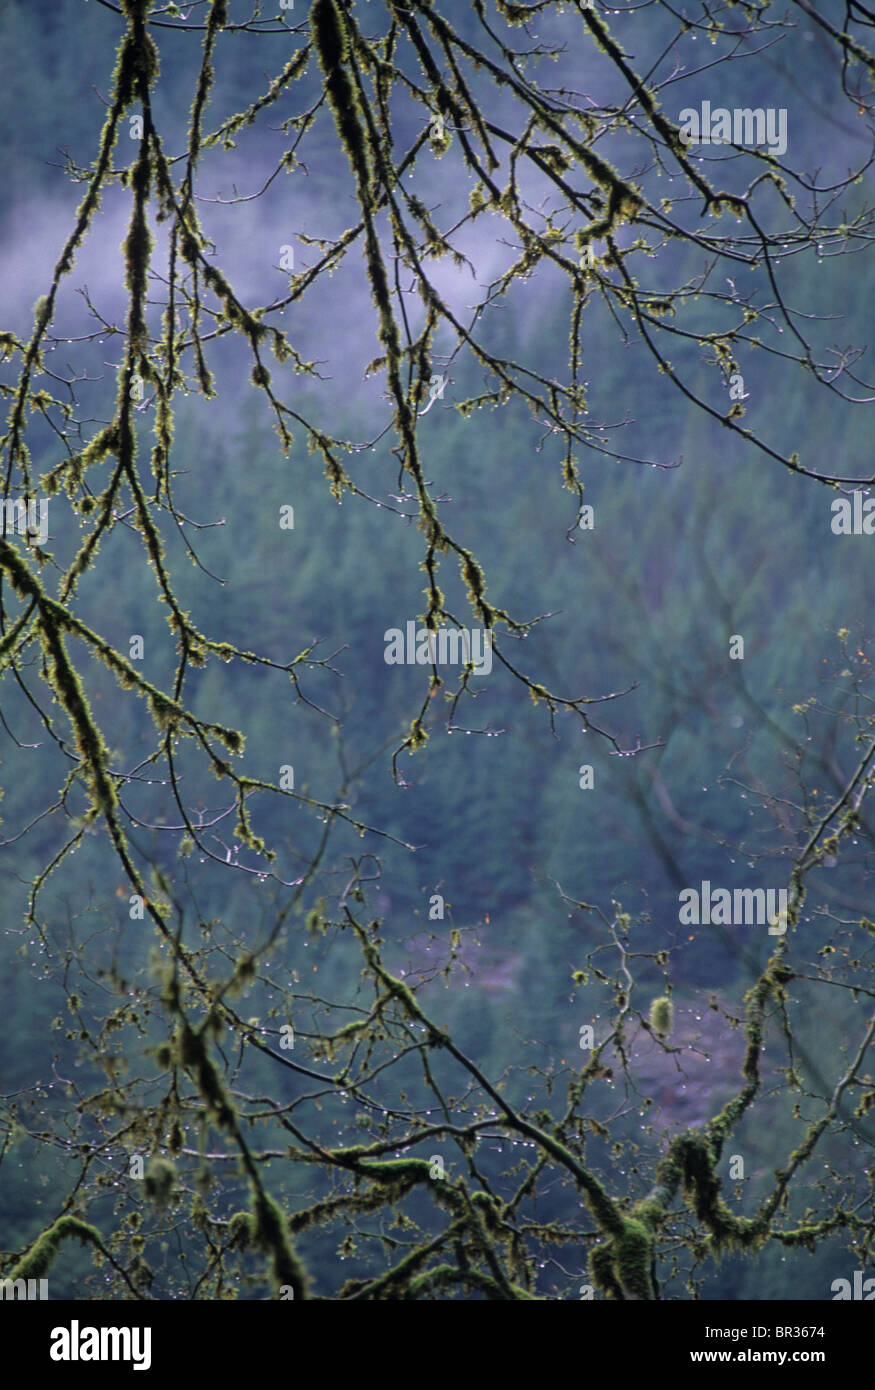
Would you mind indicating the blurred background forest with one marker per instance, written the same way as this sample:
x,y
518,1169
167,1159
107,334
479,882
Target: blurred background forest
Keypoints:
x,y
679,559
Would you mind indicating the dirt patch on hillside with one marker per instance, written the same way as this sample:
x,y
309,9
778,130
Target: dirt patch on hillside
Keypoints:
x,y
695,1072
